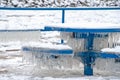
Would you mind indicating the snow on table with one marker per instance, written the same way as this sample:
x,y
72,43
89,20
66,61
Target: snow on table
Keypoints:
x,y
87,25
84,27
49,46
112,50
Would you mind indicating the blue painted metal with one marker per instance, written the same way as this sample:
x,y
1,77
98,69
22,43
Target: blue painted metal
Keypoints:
x,y
89,42
104,55
84,8
63,21
62,29
108,55
88,59
63,16
47,50
88,56
62,41
85,35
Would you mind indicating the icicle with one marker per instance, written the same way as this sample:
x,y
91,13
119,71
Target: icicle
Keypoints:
x,y
113,39
108,65
46,61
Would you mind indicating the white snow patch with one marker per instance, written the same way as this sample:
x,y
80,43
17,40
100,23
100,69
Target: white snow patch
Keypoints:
x,y
10,46
114,50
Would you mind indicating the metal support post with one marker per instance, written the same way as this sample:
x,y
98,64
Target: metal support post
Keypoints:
x,y
89,56
63,21
63,16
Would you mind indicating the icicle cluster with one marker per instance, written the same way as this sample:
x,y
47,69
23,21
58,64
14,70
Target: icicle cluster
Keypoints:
x,y
79,44
45,61
113,39
110,66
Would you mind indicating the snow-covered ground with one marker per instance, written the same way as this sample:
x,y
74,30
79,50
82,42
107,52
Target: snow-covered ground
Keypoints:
x,y
12,66
60,3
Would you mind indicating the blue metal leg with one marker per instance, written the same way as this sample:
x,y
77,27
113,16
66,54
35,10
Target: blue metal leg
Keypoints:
x,y
62,41
88,59
63,16
88,70
89,56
